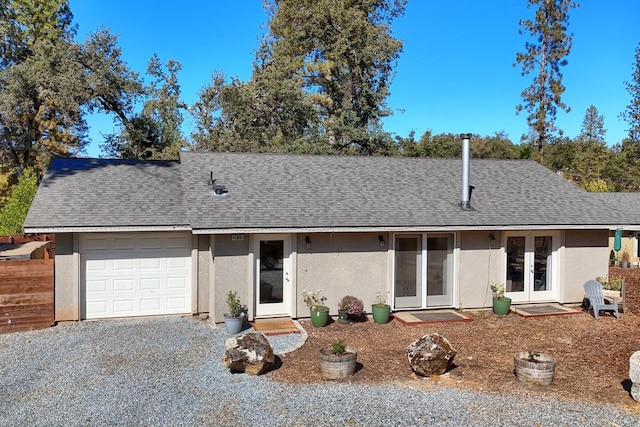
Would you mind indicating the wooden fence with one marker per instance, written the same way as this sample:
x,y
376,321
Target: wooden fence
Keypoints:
x,y
26,295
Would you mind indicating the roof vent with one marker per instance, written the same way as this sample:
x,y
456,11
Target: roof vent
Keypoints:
x,y
218,189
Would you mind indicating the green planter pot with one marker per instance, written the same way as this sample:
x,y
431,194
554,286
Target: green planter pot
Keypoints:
x,y
380,313
319,318
501,306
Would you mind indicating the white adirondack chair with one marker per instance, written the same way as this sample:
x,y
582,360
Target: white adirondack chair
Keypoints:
x,y
593,289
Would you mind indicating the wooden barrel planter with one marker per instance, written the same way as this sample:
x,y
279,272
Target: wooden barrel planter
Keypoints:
x,y
538,371
337,366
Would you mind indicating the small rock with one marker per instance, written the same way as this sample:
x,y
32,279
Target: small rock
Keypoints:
x,y
431,355
250,353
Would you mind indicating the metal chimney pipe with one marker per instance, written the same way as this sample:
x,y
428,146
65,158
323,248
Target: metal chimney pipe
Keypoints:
x,y
465,203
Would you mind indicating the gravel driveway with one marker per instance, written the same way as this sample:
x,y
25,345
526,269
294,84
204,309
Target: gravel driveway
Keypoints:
x,y
168,371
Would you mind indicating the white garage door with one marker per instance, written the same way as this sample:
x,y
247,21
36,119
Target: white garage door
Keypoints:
x,y
135,274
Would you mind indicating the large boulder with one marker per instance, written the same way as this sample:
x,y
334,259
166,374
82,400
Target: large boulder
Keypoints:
x,y
634,375
250,353
431,355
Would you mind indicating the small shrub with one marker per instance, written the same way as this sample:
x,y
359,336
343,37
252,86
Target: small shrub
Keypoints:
x,y
610,283
338,347
352,305
235,307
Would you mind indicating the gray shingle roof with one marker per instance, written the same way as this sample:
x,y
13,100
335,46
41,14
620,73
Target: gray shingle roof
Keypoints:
x,y
108,193
626,207
297,191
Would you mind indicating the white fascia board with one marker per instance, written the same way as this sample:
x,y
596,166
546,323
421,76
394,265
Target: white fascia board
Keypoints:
x,y
396,229
123,229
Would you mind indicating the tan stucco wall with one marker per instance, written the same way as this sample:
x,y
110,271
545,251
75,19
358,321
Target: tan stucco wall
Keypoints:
x,y
585,256
204,261
66,296
342,264
230,272
479,264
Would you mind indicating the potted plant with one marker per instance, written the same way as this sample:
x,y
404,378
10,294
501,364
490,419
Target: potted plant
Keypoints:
x,y
501,304
534,368
234,318
611,286
337,361
624,259
380,309
350,308
318,311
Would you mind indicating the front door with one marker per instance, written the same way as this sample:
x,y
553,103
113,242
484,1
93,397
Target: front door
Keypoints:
x,y
273,275
423,270
530,266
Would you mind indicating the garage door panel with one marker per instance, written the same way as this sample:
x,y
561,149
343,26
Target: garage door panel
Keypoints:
x,y
123,285
95,244
176,303
150,264
123,265
124,307
151,243
151,284
176,263
136,276
98,308
123,244
151,305
178,242
96,286
96,265
176,283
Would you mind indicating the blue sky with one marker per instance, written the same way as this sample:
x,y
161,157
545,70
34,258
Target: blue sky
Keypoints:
x,y
454,75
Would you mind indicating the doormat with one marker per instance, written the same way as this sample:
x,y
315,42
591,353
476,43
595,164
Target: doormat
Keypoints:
x,y
536,310
430,316
276,326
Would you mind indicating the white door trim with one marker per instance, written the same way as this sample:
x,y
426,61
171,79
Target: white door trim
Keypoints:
x,y
528,295
274,309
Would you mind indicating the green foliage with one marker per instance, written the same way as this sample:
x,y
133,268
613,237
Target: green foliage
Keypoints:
x,y
233,301
532,355
319,85
632,114
15,211
48,82
545,54
593,130
597,186
154,133
338,347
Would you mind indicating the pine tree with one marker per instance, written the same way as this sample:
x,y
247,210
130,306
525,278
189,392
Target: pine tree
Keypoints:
x,y
632,113
544,56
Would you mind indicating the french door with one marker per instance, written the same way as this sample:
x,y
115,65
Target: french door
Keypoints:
x,y
423,270
273,275
530,263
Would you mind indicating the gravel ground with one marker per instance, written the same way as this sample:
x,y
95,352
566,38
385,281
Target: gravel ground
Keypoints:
x,y
168,371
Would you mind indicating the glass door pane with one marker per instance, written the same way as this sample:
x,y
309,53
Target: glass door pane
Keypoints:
x,y
271,271
542,263
529,275
408,267
515,264
439,270
273,280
